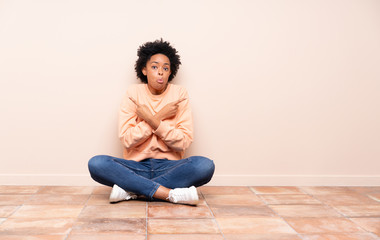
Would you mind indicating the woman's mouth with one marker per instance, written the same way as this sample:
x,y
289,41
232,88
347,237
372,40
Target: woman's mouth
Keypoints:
x,y
160,81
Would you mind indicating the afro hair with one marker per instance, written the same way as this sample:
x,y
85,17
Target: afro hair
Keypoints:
x,y
148,49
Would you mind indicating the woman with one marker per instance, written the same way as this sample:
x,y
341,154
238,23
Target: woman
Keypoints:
x,y
155,127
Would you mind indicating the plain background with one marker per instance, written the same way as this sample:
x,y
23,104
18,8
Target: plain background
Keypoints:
x,y
284,92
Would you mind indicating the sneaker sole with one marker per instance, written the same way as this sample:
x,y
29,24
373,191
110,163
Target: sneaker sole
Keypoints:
x,y
114,198
195,193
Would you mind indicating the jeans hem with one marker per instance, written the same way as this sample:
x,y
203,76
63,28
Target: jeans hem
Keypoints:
x,y
154,190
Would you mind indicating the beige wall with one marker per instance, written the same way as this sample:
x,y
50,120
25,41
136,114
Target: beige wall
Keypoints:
x,y
283,92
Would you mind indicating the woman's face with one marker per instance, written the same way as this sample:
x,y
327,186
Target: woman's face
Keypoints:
x,y
157,71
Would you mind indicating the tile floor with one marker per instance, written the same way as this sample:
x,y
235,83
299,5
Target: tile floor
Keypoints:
x,y
230,213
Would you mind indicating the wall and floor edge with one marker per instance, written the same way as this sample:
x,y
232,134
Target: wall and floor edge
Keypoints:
x,y
218,180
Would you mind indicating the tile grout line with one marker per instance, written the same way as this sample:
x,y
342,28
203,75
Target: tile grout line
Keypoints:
x,y
371,197
146,220
334,209
311,195
298,234
21,205
348,218
324,203
68,234
88,198
213,216
76,219
39,189
276,214
340,215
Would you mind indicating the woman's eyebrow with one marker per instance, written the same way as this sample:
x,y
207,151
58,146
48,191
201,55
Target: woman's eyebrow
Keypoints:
x,y
158,63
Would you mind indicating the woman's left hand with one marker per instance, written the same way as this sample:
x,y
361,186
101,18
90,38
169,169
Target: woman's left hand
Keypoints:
x,y
142,111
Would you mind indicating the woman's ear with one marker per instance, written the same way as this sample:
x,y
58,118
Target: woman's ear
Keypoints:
x,y
144,71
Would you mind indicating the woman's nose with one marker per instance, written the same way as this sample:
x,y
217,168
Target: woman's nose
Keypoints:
x,y
160,71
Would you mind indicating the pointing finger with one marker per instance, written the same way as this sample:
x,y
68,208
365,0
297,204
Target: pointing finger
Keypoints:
x,y
180,100
133,100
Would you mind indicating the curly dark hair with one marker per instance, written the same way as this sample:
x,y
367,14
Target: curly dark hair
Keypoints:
x,y
148,49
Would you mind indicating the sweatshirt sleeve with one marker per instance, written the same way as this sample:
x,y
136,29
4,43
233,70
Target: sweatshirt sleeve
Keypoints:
x,y
131,132
180,136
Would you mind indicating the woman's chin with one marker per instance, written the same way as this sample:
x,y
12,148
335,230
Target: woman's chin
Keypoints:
x,y
158,88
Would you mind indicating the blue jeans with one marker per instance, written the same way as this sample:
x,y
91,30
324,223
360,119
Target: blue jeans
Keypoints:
x,y
145,177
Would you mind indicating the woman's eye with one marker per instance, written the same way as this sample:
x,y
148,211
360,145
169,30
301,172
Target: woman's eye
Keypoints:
x,y
154,67
166,69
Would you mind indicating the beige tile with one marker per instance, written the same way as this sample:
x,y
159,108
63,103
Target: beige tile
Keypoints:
x,y
366,189
274,199
14,199
107,236
113,211
48,211
243,211
345,199
305,211
182,226
277,190
57,199
102,199
327,190
226,190
359,211
343,236
233,200
369,224
202,202
256,225
6,211
268,236
102,190
35,237
375,196
323,225
54,226
163,203
179,211
111,226
86,190
186,237
19,189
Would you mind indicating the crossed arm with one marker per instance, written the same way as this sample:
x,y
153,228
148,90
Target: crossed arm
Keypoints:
x,y
178,137
143,112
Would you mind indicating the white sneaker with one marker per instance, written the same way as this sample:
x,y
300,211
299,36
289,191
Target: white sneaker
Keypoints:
x,y
118,194
184,195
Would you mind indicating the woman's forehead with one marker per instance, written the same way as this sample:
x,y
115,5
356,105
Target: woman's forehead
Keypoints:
x,y
159,58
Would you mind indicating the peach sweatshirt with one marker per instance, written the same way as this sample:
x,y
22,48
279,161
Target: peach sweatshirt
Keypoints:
x,y
172,136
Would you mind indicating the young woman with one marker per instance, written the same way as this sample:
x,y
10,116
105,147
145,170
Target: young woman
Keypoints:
x,y
155,128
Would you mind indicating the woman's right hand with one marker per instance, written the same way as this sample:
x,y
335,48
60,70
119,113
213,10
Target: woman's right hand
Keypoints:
x,y
142,111
170,110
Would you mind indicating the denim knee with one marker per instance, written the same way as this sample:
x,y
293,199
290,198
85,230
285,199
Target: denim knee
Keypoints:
x,y
96,163
204,167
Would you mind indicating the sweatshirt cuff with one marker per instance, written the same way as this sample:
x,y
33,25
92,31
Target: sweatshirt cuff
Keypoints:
x,y
146,126
162,130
